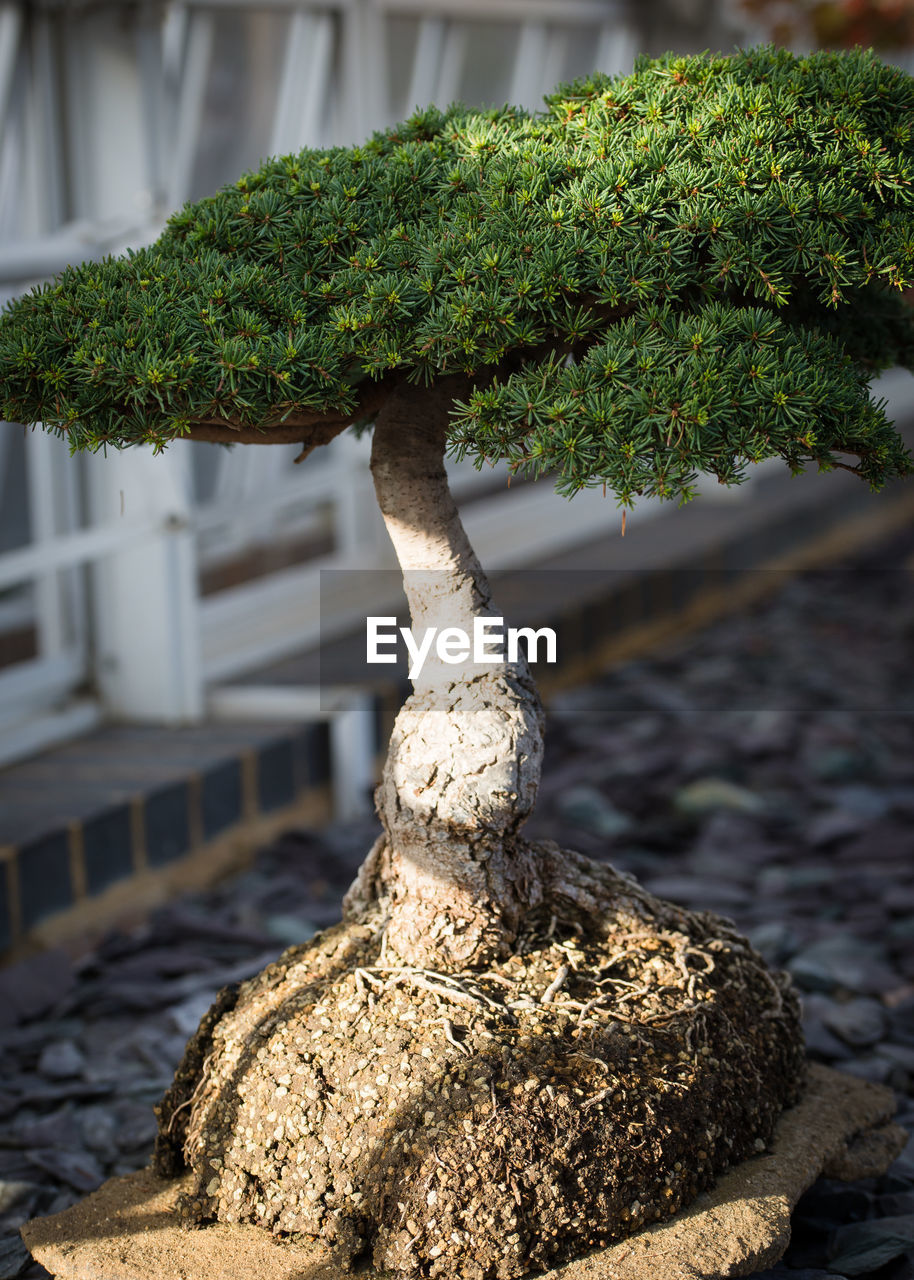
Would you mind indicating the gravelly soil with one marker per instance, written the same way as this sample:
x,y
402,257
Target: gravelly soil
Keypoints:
x,y
493,1121
763,769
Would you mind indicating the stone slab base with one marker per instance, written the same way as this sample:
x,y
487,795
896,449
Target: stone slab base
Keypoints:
x,y
128,1229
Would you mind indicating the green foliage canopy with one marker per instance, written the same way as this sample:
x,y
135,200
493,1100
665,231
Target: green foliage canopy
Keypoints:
x,y
689,268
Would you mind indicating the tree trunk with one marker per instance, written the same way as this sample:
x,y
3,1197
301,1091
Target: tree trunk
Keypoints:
x,y
451,872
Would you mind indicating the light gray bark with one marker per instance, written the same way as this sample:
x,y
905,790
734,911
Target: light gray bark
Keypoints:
x,y
465,755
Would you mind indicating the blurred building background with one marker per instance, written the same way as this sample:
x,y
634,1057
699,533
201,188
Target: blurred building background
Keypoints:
x,y
134,587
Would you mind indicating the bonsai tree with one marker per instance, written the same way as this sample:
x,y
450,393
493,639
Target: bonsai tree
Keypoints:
x,y
506,1053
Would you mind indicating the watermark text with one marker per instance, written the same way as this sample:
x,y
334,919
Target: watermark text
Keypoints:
x,y
491,643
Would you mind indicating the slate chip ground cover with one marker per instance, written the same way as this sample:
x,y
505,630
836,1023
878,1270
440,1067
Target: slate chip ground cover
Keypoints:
x,y
801,704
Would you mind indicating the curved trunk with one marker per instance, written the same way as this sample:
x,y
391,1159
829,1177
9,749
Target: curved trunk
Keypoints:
x,y
269,1134
464,760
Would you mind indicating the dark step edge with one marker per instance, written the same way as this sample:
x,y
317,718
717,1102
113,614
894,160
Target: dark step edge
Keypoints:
x,y
121,857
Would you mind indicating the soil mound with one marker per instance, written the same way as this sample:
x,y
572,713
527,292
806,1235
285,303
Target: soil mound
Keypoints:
x,y
494,1121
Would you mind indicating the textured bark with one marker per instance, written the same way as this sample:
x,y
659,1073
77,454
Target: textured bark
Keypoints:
x,y
466,750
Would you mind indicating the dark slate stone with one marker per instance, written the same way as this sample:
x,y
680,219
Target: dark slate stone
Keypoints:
x,y
136,1127
108,848
860,1022
14,1257
221,797
866,1246
828,1202
842,960
61,1060
15,1166
167,825
896,1203
23,1093
276,774
789,1273
79,1169
45,882
151,962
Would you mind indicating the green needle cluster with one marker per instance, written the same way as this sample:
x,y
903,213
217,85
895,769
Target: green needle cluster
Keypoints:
x,y
687,269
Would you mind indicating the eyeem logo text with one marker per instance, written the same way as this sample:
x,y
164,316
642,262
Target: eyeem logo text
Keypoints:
x,y
486,647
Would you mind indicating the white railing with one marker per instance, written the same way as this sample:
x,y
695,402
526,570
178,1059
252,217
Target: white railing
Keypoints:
x,y
109,117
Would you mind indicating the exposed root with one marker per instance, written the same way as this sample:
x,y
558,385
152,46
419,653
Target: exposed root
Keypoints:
x,y
500,1119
